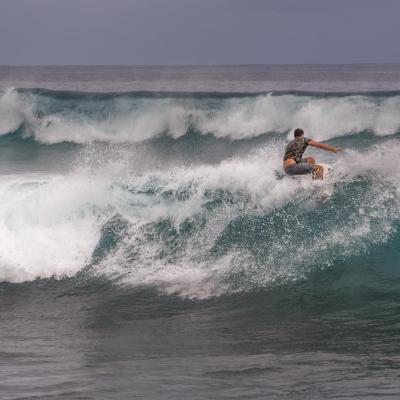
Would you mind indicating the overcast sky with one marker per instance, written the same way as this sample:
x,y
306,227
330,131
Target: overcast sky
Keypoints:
x,y
44,32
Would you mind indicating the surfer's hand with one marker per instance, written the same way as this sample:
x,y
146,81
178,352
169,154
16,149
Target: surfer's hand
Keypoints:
x,y
337,149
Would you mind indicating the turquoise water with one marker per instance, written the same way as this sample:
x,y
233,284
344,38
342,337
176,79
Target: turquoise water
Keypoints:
x,y
153,248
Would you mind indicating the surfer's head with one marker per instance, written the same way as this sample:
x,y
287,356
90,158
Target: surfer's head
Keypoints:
x,y
298,133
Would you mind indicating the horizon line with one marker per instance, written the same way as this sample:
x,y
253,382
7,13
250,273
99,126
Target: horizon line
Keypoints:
x,y
196,65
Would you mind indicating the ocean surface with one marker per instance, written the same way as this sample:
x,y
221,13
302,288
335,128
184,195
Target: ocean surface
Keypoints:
x,y
152,248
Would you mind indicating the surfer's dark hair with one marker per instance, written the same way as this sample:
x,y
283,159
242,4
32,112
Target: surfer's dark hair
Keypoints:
x,y
298,132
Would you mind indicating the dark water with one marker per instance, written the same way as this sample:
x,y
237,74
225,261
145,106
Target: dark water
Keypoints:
x,y
224,78
153,248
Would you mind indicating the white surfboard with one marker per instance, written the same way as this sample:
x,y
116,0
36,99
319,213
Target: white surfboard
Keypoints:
x,y
328,169
323,191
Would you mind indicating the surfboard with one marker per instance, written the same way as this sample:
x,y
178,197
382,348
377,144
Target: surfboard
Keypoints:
x,y
328,169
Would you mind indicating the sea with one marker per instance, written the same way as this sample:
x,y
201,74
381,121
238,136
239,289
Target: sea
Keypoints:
x,y
151,246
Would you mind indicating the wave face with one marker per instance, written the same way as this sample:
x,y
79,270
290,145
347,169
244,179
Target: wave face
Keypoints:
x,y
185,193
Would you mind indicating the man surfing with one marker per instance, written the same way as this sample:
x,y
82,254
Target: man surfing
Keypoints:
x,y
294,164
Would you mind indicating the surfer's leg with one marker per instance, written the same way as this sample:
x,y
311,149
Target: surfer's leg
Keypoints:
x,y
300,169
318,173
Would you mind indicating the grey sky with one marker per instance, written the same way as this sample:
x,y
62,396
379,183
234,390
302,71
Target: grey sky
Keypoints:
x,y
104,32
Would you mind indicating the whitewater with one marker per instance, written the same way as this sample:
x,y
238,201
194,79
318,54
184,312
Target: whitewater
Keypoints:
x,y
126,215
52,226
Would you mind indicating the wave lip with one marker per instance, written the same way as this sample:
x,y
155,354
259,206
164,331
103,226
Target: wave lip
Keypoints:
x,y
47,226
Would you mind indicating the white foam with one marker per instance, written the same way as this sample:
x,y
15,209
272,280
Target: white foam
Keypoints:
x,y
149,121
192,274
321,118
48,227
12,111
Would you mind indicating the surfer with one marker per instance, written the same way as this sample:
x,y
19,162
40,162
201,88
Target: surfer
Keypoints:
x,y
294,164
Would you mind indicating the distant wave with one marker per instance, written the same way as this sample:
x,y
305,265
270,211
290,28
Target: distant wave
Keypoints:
x,y
53,117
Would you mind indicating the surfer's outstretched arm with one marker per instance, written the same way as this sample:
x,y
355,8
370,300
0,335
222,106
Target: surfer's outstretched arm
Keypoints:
x,y
324,146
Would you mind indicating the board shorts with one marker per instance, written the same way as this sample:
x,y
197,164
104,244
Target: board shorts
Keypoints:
x,y
301,168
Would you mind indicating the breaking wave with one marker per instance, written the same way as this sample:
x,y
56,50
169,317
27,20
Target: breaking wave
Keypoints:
x,y
53,117
196,229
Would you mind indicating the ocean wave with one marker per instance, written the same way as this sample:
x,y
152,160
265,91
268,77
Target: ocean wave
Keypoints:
x,y
54,117
198,231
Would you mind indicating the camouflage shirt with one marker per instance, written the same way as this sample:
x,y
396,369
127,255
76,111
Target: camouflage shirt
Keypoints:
x,y
296,148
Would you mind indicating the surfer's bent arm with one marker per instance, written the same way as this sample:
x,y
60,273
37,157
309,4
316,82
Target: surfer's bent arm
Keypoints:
x,y
324,146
